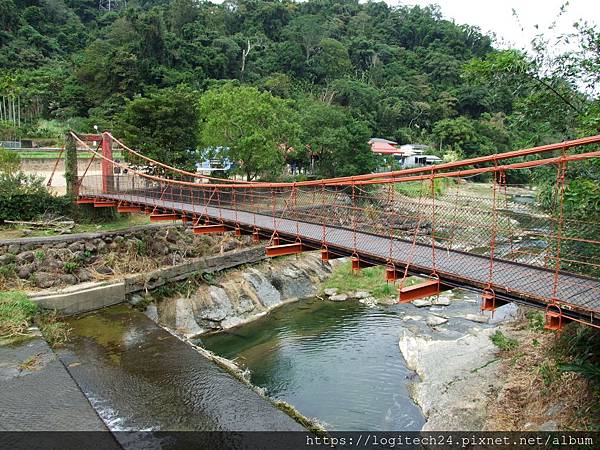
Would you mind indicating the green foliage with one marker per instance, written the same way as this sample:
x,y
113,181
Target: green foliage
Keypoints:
x,y
23,197
370,279
336,142
16,312
251,128
549,372
578,351
9,161
536,320
503,342
162,126
70,266
40,256
423,189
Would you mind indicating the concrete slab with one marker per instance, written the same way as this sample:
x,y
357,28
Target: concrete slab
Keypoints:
x,y
38,394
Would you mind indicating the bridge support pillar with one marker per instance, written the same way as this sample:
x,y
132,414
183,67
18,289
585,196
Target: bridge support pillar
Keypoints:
x,y
72,180
107,167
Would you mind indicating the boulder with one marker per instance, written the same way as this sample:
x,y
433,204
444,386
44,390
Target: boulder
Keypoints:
x,y
368,301
89,247
44,279
434,321
361,294
338,298
479,318
83,275
172,236
68,279
421,302
14,248
25,257
330,291
76,246
415,318
104,270
25,271
441,301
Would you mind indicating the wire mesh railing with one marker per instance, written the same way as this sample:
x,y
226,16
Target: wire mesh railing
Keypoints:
x,y
499,236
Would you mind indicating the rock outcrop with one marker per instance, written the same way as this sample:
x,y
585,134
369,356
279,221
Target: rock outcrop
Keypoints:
x,y
241,295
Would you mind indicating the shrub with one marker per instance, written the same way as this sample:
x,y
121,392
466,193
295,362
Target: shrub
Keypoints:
x,y
9,161
70,266
24,197
503,342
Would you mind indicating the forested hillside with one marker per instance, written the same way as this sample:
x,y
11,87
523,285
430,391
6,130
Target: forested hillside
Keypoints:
x,y
330,73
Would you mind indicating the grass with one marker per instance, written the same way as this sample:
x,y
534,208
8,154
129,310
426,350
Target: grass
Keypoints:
x,y
536,320
371,279
55,331
30,364
548,371
503,342
16,313
418,188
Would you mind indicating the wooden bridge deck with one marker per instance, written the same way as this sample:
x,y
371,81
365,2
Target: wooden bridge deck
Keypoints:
x,y
511,281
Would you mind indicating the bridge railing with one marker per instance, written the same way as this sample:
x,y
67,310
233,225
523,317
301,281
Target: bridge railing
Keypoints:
x,y
523,211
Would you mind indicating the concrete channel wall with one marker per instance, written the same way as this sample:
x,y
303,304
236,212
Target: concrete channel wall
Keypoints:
x,y
91,296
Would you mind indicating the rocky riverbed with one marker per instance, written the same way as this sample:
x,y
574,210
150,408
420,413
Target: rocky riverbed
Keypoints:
x,y
445,340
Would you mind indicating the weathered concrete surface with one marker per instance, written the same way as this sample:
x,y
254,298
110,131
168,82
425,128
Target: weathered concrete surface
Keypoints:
x,y
42,397
82,297
455,377
91,296
457,364
142,377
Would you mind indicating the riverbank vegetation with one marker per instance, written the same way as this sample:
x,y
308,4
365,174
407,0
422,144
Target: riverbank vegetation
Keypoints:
x,y
18,313
370,279
551,381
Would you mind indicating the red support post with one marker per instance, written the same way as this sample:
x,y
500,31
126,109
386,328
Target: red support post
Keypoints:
x,y
107,169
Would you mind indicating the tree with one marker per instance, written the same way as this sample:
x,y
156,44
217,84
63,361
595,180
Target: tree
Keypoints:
x,y
337,142
163,126
254,129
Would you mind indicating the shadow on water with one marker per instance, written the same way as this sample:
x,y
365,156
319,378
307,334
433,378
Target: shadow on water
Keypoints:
x,y
337,362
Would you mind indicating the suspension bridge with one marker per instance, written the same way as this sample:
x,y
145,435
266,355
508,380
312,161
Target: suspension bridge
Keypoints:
x,y
494,238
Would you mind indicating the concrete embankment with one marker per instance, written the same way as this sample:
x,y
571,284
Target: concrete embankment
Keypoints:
x,y
38,394
85,297
240,296
139,376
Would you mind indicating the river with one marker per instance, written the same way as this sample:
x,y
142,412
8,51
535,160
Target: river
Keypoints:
x,y
337,362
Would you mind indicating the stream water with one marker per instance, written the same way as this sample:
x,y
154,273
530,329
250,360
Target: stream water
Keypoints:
x,y
337,362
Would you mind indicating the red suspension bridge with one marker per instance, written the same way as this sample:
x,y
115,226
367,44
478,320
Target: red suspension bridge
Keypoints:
x,y
492,238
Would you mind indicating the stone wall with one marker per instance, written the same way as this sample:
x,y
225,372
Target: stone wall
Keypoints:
x,y
90,296
57,261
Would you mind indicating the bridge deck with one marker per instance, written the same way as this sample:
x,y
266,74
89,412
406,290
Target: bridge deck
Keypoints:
x,y
515,281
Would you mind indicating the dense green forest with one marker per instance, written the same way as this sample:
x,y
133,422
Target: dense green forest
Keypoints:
x,y
320,77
